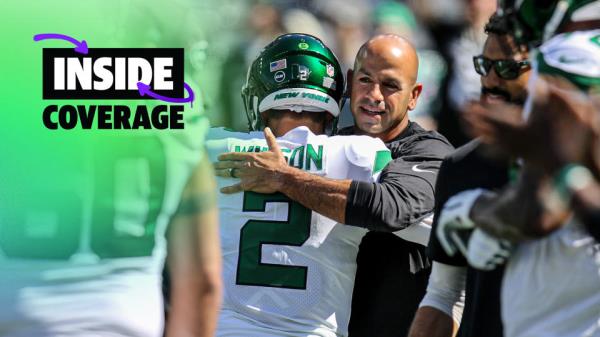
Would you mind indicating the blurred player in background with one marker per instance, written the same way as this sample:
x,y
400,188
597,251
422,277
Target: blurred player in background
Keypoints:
x,y
289,271
83,213
551,285
504,70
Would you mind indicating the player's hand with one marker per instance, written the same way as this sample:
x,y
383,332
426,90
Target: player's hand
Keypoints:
x,y
521,211
454,219
563,126
486,252
566,121
499,125
258,171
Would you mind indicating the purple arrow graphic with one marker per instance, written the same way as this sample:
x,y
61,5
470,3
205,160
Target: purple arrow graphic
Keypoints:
x,y
80,47
144,89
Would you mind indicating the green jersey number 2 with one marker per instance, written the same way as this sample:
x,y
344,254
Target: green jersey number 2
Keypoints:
x,y
293,231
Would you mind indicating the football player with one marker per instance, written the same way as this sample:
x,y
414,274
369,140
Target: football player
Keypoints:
x,y
289,271
551,285
84,257
83,212
504,71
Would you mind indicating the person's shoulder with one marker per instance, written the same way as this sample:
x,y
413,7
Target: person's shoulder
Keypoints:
x,y
356,139
464,158
418,132
349,139
472,166
423,143
475,155
464,152
361,150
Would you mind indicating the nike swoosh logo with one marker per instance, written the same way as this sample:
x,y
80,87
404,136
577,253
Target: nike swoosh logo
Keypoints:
x,y
417,169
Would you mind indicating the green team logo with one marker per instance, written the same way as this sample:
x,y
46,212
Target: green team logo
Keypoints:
x,y
303,45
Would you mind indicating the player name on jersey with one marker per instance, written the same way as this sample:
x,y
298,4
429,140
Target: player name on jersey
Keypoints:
x,y
288,270
307,157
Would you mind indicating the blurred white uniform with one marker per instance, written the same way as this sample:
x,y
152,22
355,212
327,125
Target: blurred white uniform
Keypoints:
x,y
288,271
551,286
86,258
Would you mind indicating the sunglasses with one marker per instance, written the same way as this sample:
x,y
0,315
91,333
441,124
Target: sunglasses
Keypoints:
x,y
505,69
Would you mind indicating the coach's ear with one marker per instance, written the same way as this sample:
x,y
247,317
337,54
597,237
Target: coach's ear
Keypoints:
x,y
349,75
414,95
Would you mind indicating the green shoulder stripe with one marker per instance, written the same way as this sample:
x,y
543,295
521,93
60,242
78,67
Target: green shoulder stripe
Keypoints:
x,y
382,158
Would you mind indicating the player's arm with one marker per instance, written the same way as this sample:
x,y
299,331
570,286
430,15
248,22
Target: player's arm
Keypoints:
x,y
447,280
577,187
398,200
194,259
440,311
520,211
586,204
322,195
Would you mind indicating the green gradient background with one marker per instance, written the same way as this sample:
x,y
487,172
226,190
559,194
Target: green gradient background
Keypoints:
x,y
41,167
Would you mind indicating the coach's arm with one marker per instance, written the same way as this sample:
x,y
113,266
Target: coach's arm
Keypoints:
x,y
403,196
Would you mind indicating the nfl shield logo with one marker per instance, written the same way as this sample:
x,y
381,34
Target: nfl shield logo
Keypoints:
x,y
279,76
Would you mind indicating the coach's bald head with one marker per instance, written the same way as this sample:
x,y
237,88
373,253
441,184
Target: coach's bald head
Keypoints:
x,y
384,86
393,50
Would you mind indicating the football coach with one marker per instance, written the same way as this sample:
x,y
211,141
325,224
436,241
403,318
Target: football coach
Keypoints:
x,y
393,269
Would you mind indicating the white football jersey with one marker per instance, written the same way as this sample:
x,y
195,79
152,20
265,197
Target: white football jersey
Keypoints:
x,y
551,286
288,271
86,259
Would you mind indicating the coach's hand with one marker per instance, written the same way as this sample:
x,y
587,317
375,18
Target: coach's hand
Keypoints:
x,y
258,171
